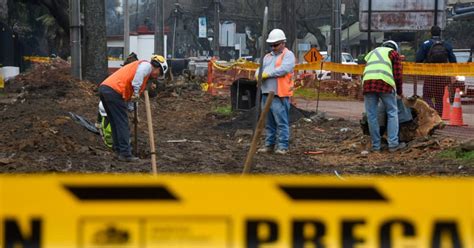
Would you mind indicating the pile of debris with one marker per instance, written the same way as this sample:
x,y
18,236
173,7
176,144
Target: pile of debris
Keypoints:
x,y
35,114
351,89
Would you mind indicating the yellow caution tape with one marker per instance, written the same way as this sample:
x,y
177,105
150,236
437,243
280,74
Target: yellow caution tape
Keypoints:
x,y
37,59
232,211
409,68
240,63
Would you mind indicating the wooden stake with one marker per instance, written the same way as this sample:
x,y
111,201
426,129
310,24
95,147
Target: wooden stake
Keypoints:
x,y
256,134
150,133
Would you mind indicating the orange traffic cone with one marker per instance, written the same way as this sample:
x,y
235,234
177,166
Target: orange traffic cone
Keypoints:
x,y
446,105
456,112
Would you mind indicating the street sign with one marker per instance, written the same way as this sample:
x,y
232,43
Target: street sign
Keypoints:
x,y
313,56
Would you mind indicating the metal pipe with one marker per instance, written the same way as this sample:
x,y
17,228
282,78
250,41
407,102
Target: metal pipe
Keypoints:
x,y
464,16
436,13
464,10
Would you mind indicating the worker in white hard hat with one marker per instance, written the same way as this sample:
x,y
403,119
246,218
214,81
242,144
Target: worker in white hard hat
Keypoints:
x,y
278,66
382,81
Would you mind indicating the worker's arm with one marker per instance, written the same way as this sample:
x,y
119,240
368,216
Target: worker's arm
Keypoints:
x,y
422,51
287,66
397,69
144,69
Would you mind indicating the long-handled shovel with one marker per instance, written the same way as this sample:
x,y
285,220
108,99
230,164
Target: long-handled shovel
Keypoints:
x,y
256,134
150,133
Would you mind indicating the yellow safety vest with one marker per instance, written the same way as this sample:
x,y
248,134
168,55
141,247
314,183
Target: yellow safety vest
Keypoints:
x,y
379,66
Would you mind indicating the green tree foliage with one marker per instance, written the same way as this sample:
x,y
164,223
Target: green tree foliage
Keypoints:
x,y
460,33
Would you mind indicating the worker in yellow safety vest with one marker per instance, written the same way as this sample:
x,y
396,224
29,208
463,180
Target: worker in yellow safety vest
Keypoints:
x,y
382,81
278,66
126,85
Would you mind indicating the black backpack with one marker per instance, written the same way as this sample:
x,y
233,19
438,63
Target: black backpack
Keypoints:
x,y
437,53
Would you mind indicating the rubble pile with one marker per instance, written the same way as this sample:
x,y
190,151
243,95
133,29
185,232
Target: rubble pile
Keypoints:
x,y
351,89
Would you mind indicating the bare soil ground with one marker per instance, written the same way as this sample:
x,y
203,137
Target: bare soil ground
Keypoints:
x,y
38,135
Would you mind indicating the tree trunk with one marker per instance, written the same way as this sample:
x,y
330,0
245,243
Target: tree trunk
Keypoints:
x,y
94,55
289,21
4,11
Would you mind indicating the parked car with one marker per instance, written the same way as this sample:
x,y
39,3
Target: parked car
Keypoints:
x,y
346,58
465,83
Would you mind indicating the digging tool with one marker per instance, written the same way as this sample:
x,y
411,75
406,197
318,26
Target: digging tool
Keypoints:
x,y
150,133
257,132
260,71
135,128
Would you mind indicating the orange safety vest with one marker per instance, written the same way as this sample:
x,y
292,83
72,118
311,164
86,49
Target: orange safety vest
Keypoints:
x,y
285,83
121,80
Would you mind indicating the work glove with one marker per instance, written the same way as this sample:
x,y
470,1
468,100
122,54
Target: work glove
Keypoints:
x,y
135,97
264,75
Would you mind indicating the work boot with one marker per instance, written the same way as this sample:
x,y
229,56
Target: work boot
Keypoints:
x,y
128,158
373,150
280,151
265,149
401,146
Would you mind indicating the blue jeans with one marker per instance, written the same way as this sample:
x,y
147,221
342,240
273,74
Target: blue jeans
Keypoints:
x,y
371,101
116,109
278,124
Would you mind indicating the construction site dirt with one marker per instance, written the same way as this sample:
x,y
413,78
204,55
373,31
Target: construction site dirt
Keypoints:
x,y
39,135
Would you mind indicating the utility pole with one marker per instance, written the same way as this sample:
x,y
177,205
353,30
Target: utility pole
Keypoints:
x,y
159,29
216,27
289,23
336,32
336,35
369,27
75,36
126,29
176,13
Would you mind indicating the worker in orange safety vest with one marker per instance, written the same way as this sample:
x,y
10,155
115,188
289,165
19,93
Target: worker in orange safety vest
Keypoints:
x,y
278,66
123,87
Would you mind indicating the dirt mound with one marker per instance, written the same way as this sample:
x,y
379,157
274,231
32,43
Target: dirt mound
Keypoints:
x,y
36,123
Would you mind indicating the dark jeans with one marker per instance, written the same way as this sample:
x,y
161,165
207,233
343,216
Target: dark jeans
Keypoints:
x,y
116,109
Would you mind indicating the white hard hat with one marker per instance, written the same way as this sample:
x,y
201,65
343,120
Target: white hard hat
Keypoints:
x,y
102,110
276,35
391,44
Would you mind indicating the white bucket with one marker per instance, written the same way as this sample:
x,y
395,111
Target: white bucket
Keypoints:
x,y
9,72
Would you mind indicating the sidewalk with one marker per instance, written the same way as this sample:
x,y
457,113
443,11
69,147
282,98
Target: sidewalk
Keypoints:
x,y
352,110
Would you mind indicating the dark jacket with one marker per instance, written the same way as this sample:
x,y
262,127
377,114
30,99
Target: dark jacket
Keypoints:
x,y
425,48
